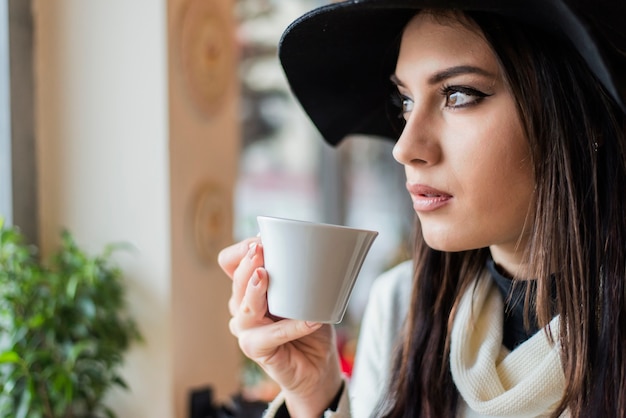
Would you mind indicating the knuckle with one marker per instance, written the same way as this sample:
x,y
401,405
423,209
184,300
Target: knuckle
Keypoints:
x,y
247,346
233,306
245,309
280,332
221,259
233,326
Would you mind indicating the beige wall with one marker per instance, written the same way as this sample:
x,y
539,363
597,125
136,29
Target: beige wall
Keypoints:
x,y
123,153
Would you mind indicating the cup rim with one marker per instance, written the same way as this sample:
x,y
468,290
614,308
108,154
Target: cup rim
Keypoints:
x,y
322,224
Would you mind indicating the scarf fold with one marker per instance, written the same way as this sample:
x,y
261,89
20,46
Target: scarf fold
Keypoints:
x,y
526,382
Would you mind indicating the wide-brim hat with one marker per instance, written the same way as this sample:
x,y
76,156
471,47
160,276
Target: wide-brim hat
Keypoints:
x,y
338,58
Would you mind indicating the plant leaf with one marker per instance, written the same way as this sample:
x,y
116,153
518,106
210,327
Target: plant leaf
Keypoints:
x,y
9,357
24,406
72,285
64,329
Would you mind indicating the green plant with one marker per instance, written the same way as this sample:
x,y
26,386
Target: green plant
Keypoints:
x,y
64,330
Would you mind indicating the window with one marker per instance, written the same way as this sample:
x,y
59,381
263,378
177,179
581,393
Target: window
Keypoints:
x,y
6,207
18,193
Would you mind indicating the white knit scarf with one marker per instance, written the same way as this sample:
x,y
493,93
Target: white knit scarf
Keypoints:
x,y
526,382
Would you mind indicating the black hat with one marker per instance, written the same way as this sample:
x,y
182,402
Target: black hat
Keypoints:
x,y
337,57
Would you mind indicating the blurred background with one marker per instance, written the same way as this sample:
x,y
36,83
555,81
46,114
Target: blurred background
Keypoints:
x,y
168,125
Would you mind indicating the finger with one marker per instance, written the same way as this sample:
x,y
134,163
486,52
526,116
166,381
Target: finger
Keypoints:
x,y
230,257
251,312
252,260
260,343
254,303
253,308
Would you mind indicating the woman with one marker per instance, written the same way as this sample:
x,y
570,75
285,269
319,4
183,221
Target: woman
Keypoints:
x,y
512,135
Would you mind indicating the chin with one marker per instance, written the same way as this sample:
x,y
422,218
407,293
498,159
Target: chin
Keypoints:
x,y
447,244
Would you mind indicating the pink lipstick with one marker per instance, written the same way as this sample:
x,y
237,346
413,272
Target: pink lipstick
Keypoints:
x,y
426,198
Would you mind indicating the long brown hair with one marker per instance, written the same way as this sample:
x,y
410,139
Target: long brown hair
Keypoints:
x,y
576,135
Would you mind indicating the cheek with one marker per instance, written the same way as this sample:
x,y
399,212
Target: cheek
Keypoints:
x,y
494,168
501,149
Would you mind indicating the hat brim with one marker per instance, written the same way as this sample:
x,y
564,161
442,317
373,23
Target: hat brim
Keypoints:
x,y
338,58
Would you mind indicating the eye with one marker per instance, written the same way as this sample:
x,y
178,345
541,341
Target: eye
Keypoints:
x,y
403,103
407,105
460,96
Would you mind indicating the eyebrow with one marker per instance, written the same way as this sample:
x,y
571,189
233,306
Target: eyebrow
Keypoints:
x,y
447,73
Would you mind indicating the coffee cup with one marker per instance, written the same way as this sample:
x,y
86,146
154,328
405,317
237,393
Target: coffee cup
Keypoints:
x,y
312,267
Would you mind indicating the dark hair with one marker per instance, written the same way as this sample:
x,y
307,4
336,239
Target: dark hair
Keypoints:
x,y
576,135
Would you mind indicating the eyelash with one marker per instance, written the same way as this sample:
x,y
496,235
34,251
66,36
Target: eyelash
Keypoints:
x,y
446,91
398,99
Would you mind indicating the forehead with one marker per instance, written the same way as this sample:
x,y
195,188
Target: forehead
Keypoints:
x,y
444,39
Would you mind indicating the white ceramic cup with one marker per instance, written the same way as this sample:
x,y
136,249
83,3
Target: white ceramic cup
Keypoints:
x,y
312,267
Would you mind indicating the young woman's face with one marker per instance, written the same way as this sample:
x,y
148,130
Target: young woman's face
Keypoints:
x,y
464,150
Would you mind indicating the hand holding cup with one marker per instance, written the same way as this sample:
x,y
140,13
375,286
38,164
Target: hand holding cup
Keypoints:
x,y
299,355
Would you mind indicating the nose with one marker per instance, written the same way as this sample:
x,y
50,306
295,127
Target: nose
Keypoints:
x,y
418,144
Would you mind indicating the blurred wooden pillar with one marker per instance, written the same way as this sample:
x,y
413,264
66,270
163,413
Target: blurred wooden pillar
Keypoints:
x,y
204,150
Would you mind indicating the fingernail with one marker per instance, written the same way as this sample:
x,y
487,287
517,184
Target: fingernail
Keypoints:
x,y
311,324
252,249
256,278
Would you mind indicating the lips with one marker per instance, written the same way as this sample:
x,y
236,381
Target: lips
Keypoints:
x,y
426,198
